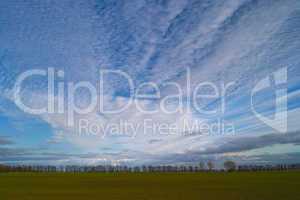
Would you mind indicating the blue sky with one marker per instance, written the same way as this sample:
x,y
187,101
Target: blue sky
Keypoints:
x,y
240,41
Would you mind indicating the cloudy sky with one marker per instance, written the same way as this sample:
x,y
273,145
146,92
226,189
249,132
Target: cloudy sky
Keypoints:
x,y
172,50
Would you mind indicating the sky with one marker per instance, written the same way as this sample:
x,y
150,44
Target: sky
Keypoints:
x,y
231,65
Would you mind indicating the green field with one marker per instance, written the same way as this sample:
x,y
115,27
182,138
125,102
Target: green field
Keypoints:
x,y
186,186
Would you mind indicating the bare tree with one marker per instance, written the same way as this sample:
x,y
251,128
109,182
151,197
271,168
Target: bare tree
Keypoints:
x,y
229,165
201,165
210,165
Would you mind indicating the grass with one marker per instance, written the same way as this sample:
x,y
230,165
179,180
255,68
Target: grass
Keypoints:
x,y
151,186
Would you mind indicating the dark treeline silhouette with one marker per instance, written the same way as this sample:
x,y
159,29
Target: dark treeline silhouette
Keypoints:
x,y
98,168
278,167
228,166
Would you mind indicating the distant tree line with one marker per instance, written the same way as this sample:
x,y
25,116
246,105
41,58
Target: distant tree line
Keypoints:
x,y
98,168
201,167
278,167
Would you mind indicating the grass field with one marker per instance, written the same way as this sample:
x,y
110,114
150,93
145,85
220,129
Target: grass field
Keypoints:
x,y
186,186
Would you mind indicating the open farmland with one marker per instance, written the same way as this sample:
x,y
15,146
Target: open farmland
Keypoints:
x,y
152,186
